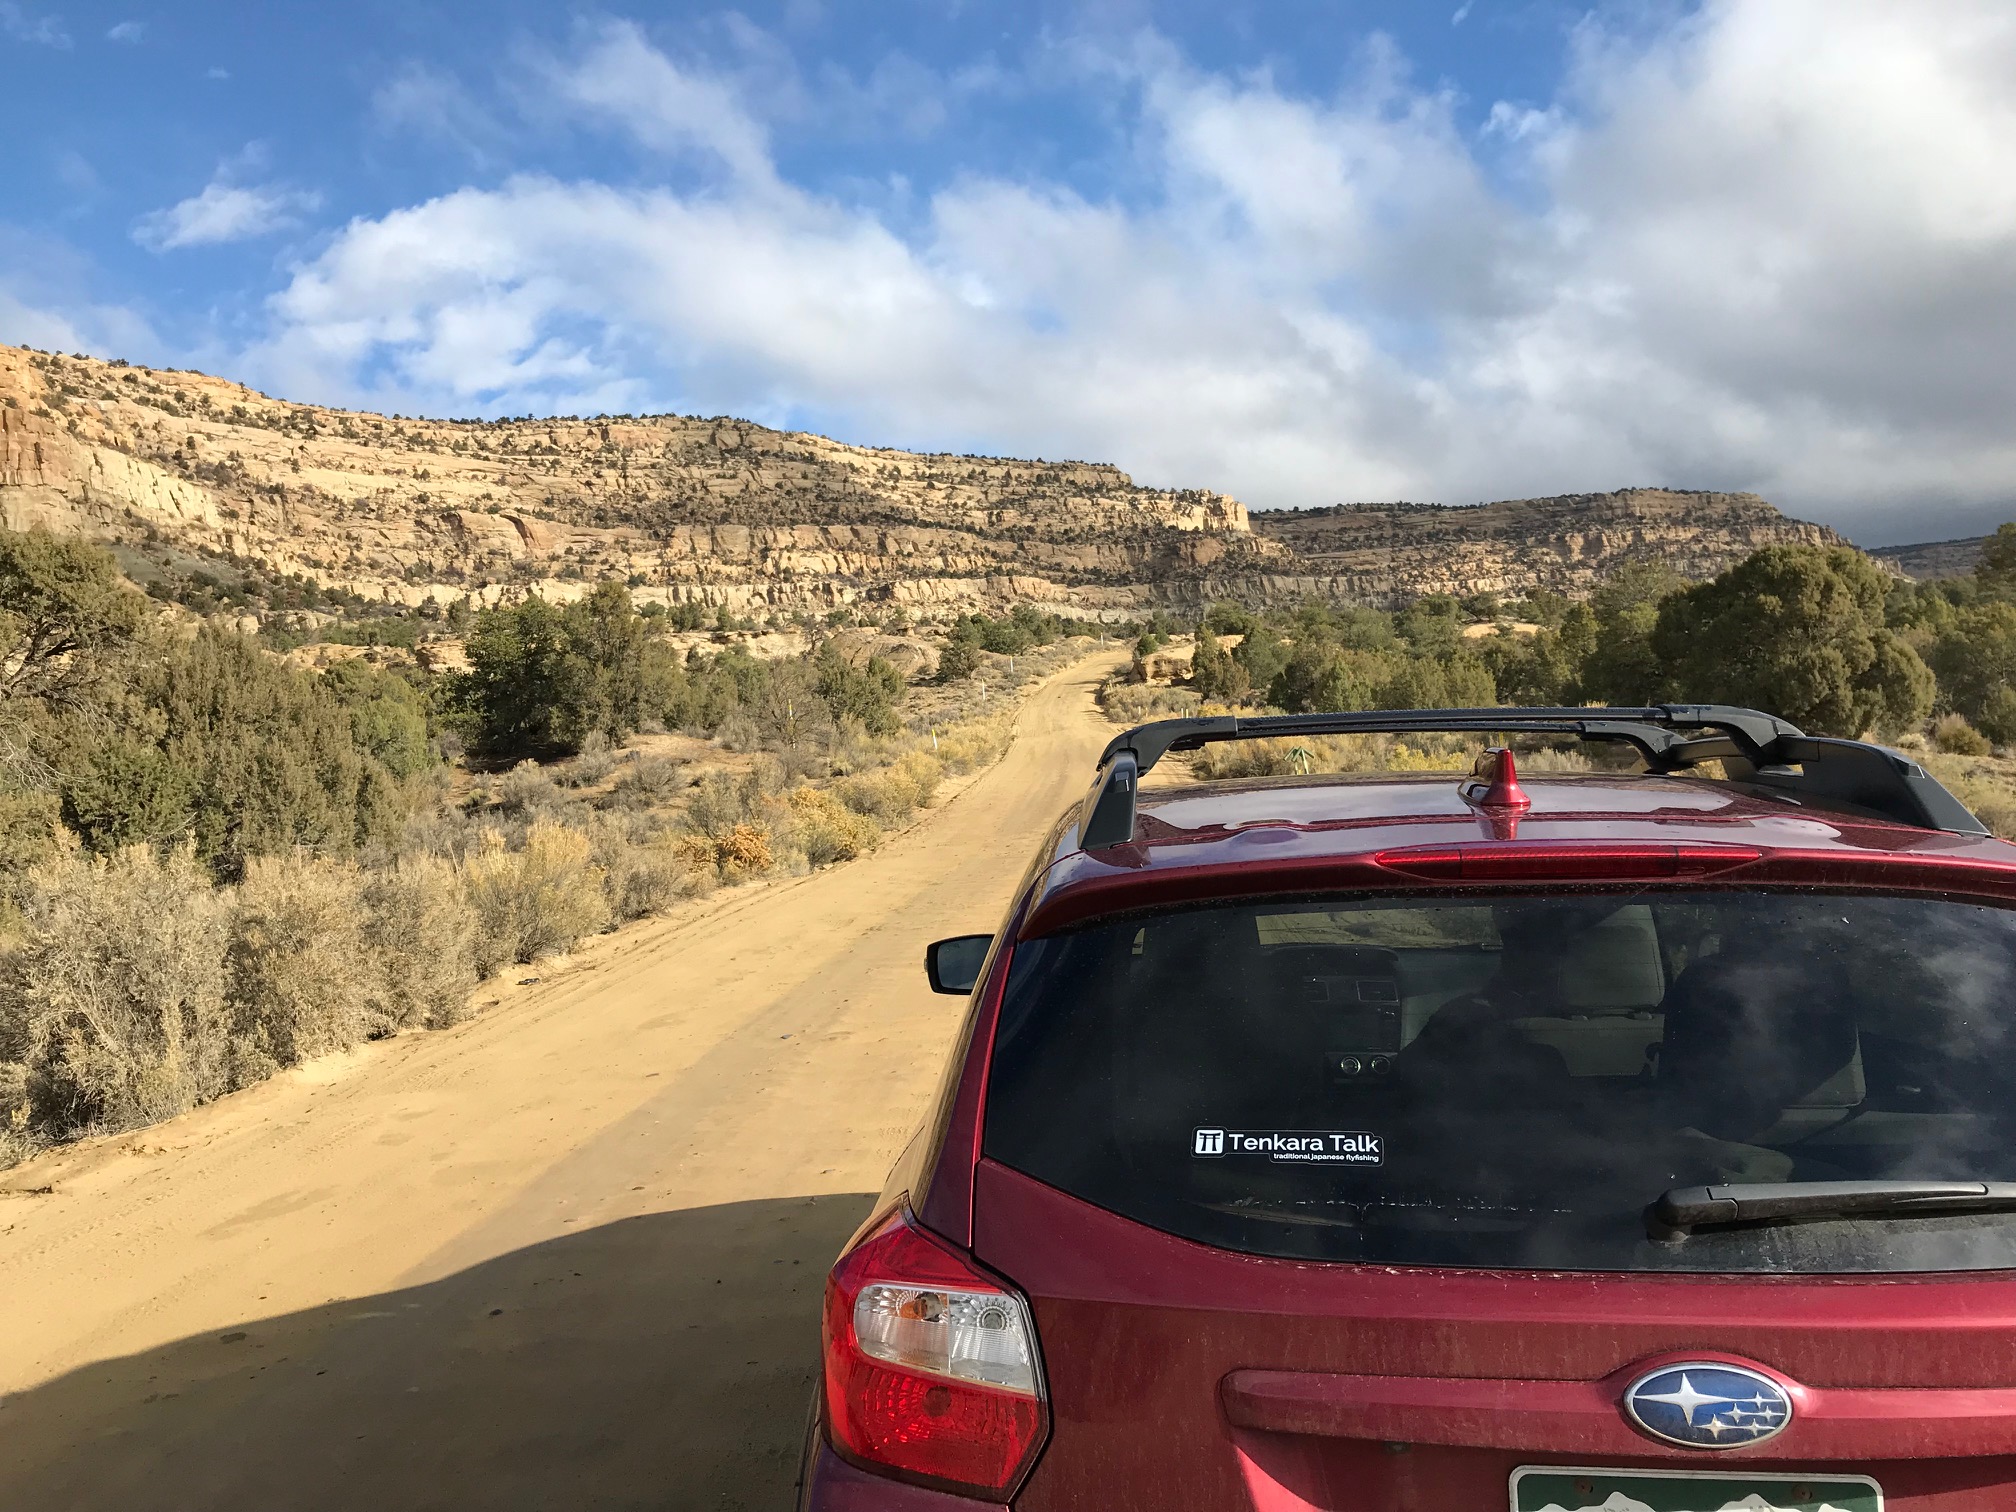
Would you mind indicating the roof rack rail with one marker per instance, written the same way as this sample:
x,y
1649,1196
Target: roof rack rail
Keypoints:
x,y
1756,749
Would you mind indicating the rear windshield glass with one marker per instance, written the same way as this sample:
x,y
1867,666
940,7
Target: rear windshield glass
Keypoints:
x,y
1511,1083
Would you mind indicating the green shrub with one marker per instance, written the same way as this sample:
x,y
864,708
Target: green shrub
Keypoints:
x,y
865,695
1797,631
67,618
217,740
388,715
958,660
1974,656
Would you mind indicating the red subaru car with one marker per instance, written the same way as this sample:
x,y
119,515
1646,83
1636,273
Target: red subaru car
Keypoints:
x,y
1626,1139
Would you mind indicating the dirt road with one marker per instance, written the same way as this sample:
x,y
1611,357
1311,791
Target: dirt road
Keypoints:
x,y
568,1254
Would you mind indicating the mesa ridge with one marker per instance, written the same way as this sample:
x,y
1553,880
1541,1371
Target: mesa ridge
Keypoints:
x,y
733,515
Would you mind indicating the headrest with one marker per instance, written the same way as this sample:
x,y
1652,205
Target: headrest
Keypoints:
x,y
1764,1031
1614,965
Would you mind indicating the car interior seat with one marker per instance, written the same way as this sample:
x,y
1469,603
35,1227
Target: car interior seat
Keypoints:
x,y
1762,1045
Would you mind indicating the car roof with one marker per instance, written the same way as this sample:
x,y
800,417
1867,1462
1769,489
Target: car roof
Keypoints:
x,y
1330,828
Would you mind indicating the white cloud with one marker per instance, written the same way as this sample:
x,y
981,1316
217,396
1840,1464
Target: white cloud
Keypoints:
x,y
419,101
28,26
223,212
129,32
622,78
46,301
1772,247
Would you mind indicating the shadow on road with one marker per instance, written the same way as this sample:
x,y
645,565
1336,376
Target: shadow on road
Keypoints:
x,y
663,1361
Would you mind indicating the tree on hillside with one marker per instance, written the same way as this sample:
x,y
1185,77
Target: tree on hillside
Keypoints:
x,y
66,615
1214,673
1545,667
607,634
543,677
1457,681
388,715
866,696
1620,665
524,685
1227,618
217,740
1975,659
1798,631
1321,677
960,659
1431,626
1997,569
1263,654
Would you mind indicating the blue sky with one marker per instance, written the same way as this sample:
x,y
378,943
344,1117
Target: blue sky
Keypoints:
x,y
1298,252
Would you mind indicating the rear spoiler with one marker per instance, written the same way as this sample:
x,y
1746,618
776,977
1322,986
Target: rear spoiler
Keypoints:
x,y
1756,749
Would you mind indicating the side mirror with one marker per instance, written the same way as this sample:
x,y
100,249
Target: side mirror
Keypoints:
x,y
954,965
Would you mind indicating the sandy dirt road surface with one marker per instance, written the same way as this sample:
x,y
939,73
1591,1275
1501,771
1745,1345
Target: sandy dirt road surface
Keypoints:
x,y
568,1254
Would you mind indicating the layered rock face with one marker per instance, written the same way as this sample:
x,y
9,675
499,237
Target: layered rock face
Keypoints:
x,y
719,512
1387,554
725,513
1926,560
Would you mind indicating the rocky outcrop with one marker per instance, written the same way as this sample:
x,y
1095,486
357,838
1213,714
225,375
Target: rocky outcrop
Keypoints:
x,y
1926,560
1390,553
717,511
728,514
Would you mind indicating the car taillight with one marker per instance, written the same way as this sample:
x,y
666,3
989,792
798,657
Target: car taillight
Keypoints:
x,y
931,1366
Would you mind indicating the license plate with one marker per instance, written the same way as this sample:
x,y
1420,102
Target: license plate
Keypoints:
x,y
1553,1488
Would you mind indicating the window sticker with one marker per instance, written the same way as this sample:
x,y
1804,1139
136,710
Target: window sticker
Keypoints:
x,y
1291,1146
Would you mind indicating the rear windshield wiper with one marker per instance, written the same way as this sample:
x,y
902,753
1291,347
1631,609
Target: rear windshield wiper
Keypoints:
x,y
1684,1209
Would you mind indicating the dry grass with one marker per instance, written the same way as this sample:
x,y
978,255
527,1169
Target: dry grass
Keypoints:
x,y
892,795
1138,703
112,1006
827,830
970,746
134,988
650,783
421,931
300,975
1956,737
539,901
643,872
526,790
1358,753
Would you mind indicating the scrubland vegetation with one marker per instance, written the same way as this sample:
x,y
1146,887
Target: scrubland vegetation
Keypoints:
x,y
1821,636
214,865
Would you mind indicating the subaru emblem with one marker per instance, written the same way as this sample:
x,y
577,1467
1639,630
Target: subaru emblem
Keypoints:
x,y
1706,1406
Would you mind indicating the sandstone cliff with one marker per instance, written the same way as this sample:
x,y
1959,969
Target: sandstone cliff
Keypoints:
x,y
719,511
1925,560
179,467
1389,553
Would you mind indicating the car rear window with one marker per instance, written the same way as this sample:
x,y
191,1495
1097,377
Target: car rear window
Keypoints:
x,y
1511,1083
